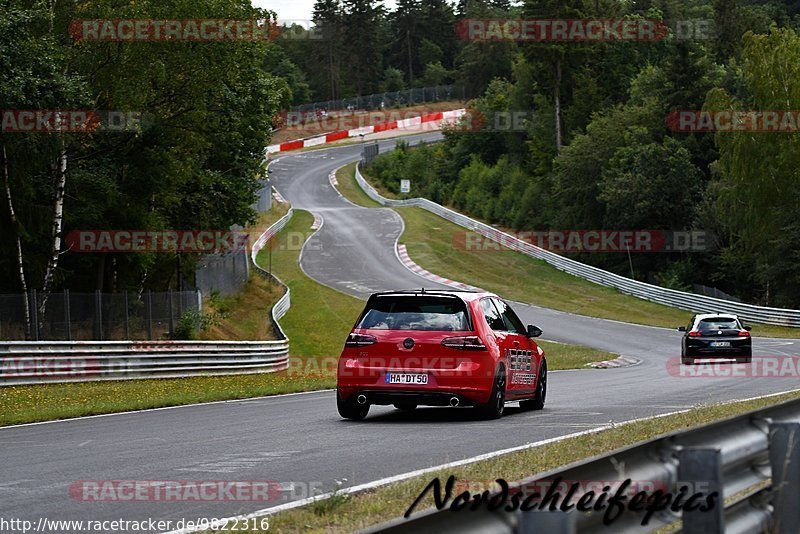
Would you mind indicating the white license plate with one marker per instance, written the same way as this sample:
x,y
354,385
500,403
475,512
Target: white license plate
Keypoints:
x,y
407,378
719,344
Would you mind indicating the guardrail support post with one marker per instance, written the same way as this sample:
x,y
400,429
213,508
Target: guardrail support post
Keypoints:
x,y
127,319
98,315
198,328
547,522
67,315
34,316
171,319
149,314
701,470
784,456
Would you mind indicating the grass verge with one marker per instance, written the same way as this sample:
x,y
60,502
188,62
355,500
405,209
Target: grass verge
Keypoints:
x,y
317,323
314,304
247,314
30,404
320,317
433,243
243,316
349,188
363,510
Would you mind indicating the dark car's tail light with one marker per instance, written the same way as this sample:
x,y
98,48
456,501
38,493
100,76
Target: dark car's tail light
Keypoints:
x,y
744,333
464,343
695,334
360,340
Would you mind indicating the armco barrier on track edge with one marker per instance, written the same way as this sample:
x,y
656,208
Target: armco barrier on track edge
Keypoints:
x,y
669,297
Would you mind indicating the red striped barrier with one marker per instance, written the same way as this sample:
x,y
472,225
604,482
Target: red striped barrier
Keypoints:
x,y
366,130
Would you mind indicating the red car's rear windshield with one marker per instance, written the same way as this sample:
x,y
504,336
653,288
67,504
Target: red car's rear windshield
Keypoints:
x,y
407,312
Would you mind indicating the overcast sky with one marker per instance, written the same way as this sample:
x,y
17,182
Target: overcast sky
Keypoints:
x,y
299,9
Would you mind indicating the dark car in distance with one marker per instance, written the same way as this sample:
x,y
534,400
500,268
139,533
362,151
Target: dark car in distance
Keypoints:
x,y
716,335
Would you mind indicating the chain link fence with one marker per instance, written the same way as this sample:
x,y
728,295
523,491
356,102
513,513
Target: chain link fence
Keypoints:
x,y
224,274
395,99
99,316
714,292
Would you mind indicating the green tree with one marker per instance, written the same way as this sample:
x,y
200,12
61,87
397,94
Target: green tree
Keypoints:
x,y
404,22
653,185
363,45
757,194
393,80
277,63
554,57
328,17
436,74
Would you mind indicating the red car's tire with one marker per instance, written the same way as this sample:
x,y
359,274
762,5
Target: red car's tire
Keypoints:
x,y
537,402
497,400
349,409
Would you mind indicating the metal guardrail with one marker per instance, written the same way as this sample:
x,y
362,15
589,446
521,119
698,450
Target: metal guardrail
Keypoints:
x,y
752,460
282,306
669,297
25,363
31,362
390,99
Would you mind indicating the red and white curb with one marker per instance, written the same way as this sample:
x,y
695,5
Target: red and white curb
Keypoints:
x,y
332,179
297,144
278,197
402,254
318,221
622,361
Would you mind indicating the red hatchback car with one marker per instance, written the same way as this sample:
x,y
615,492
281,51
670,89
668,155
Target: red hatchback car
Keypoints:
x,y
440,348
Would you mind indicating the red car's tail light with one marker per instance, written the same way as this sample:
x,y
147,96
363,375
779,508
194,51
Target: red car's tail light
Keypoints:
x,y
695,334
360,340
744,333
464,343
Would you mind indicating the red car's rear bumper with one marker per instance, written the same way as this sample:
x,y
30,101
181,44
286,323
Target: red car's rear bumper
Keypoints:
x,y
471,382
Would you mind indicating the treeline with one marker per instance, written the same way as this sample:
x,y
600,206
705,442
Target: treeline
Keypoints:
x,y
192,162
597,150
358,47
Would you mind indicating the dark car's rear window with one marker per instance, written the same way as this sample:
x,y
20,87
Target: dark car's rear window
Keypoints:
x,y
718,323
407,312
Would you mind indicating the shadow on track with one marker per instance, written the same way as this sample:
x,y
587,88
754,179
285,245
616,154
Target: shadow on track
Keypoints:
x,y
434,415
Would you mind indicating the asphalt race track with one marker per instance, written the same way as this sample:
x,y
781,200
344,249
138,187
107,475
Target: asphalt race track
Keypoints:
x,y
299,440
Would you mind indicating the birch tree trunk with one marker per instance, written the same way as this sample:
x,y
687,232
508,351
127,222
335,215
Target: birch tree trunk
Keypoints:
x,y
20,264
557,98
58,219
